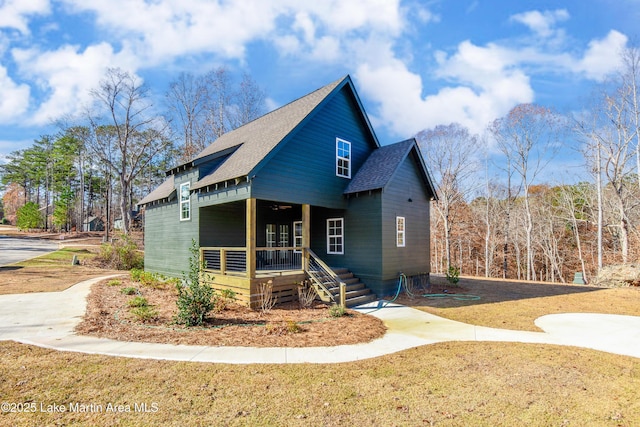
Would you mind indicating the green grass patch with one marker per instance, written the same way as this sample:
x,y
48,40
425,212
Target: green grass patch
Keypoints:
x,y
60,257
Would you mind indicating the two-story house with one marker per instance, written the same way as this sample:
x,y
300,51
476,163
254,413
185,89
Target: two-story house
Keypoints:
x,y
303,191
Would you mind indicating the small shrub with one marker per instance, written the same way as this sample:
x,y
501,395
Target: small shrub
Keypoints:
x,y
122,254
5,221
138,302
226,297
453,275
145,313
228,294
306,294
266,299
151,280
283,328
337,310
114,282
135,274
195,299
129,290
293,327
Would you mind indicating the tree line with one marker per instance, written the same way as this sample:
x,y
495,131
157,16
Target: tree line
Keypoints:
x,y
513,224
100,163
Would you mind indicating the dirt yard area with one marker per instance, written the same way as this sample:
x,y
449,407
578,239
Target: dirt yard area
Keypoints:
x,y
109,315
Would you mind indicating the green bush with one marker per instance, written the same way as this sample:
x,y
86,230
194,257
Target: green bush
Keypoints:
x,y
145,313
152,280
453,275
129,290
114,282
226,297
122,254
5,221
138,302
337,310
135,274
195,299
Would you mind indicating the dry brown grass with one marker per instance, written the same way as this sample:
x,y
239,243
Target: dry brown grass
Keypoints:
x,y
516,305
449,384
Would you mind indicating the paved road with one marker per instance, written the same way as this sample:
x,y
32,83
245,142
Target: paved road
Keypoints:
x,y
15,250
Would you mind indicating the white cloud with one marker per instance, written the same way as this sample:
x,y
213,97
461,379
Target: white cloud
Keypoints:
x,y
67,75
602,56
14,13
14,98
483,85
542,23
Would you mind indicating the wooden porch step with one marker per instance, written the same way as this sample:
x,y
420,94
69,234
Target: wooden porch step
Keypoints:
x,y
356,292
362,299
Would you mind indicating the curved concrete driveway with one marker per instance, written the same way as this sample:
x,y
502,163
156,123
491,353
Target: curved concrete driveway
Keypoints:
x,y
48,320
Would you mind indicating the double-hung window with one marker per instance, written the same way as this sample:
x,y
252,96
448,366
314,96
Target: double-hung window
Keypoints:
x,y
343,158
400,232
335,236
185,202
297,235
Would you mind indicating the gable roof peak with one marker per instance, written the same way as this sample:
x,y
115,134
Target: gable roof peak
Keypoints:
x,y
258,138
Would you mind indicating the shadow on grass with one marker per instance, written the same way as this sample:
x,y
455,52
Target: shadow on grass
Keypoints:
x,y
10,268
488,291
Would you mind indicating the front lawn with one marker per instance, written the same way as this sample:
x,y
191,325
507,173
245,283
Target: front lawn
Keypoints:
x,y
448,384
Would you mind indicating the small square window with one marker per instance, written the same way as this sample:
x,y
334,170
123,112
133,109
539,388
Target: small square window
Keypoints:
x,y
400,232
343,158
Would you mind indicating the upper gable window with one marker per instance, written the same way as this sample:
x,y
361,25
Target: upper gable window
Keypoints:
x,y
185,202
343,158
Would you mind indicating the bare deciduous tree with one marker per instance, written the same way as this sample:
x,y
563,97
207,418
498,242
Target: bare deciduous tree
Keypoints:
x,y
451,155
528,136
205,107
126,133
186,98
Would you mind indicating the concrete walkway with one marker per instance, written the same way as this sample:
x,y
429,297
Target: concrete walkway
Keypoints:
x,y
48,320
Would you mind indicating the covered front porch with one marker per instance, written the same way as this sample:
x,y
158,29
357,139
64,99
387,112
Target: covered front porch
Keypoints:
x,y
247,243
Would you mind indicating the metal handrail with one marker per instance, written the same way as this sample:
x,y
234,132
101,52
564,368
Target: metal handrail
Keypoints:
x,y
316,269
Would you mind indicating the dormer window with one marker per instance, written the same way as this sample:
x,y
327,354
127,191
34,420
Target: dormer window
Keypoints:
x,y
343,158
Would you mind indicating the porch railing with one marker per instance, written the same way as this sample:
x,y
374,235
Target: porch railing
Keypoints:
x,y
278,259
233,260
324,279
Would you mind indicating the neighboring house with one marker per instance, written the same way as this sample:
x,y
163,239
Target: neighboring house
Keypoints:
x,y
299,189
136,221
93,223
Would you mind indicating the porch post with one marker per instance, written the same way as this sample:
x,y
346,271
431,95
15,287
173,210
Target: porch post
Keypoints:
x,y
306,235
251,238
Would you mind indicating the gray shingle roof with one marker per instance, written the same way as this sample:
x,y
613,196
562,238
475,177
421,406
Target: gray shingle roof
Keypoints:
x,y
381,165
258,138
164,191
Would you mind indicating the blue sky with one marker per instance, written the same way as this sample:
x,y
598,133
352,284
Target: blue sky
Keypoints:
x,y
415,64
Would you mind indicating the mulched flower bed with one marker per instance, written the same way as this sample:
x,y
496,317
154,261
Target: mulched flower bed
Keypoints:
x,y
109,315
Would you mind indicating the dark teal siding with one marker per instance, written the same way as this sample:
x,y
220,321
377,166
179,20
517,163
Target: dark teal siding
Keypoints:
x,y
414,258
363,254
303,170
167,239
